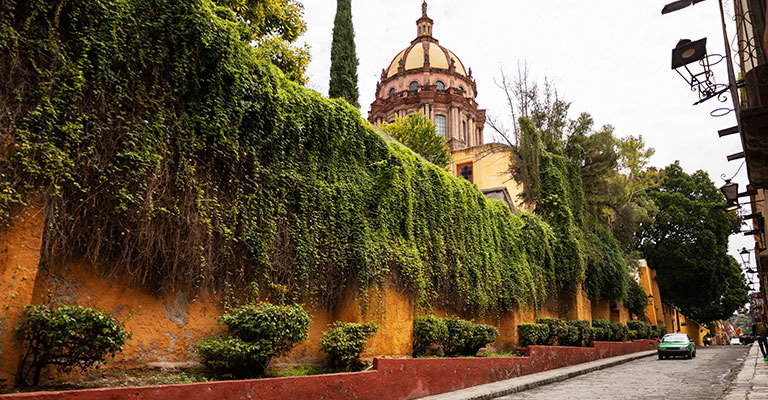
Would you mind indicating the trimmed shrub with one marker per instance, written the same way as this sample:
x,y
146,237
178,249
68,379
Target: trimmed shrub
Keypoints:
x,y
459,336
68,337
257,335
658,332
620,332
345,342
603,330
579,334
533,334
639,329
557,329
482,335
428,330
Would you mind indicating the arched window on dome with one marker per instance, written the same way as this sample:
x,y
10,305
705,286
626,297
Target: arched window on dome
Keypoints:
x,y
461,88
464,130
440,124
440,85
413,86
391,92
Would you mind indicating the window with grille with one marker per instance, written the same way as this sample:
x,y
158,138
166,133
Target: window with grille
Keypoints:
x,y
440,124
465,171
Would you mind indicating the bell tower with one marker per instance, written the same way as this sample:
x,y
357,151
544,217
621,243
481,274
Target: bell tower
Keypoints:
x,y
424,24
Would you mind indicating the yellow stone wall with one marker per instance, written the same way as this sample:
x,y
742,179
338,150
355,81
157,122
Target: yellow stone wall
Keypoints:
x,y
490,168
646,284
166,328
19,259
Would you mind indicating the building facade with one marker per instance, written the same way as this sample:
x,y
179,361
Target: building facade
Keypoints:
x,y
428,78
752,118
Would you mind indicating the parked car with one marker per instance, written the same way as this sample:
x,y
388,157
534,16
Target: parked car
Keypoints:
x,y
676,344
736,341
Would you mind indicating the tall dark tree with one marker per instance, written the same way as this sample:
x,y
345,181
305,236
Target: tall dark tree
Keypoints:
x,y
687,244
343,56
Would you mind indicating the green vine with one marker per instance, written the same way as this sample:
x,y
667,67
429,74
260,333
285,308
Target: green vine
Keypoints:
x,y
169,152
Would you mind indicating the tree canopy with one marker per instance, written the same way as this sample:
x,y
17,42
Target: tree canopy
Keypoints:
x,y
344,56
687,244
275,26
419,134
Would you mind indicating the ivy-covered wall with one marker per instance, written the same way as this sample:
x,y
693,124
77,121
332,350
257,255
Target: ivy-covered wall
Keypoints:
x,y
169,153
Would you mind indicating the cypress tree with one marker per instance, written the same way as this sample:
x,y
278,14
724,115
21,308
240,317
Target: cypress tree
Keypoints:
x,y
343,56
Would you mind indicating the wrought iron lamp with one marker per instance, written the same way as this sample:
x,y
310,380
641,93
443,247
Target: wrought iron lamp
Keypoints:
x,y
744,254
730,190
688,52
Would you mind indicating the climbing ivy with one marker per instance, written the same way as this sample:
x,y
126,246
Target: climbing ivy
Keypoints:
x,y
169,152
607,274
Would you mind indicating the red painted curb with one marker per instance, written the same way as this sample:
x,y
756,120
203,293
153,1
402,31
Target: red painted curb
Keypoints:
x,y
390,378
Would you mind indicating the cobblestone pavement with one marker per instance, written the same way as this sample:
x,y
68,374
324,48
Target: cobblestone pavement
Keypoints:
x,y
705,377
752,382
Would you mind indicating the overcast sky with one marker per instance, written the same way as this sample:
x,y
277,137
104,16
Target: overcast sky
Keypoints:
x,y
610,58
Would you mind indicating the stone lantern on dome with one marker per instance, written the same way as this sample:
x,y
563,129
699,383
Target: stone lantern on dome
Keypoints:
x,y
428,78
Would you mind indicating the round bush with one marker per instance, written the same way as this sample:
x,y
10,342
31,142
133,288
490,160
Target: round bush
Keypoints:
x,y
428,330
345,342
68,337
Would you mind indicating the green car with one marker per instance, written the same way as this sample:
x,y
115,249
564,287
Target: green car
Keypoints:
x,y
676,344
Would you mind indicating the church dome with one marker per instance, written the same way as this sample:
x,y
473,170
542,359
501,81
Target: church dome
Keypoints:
x,y
425,50
429,79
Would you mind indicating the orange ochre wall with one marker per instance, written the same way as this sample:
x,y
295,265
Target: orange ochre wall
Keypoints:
x,y
164,330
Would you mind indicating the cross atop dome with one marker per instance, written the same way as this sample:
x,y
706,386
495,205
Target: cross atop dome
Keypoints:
x,y
424,24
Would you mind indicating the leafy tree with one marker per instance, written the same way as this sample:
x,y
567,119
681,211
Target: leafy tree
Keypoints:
x,y
276,25
343,56
637,300
419,134
68,337
345,342
257,334
687,244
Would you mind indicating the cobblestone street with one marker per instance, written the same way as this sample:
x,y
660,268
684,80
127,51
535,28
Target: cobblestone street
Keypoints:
x,y
704,377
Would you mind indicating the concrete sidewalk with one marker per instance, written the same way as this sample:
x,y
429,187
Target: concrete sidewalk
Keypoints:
x,y
502,388
752,381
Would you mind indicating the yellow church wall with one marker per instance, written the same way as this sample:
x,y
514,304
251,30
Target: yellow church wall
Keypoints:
x,y
657,304
645,283
165,329
490,169
601,310
19,258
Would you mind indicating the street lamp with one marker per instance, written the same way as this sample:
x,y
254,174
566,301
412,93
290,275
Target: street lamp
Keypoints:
x,y
744,254
710,88
730,190
687,52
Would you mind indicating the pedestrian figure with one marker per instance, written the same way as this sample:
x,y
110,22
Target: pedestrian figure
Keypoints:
x,y
761,332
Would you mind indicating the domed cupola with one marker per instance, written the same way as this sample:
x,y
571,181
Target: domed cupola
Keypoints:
x,y
429,78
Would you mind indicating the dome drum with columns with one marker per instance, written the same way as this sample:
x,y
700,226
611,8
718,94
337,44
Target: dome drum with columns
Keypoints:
x,y
428,78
